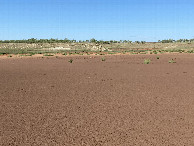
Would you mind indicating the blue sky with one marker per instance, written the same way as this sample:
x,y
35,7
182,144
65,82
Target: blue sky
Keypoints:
x,y
148,20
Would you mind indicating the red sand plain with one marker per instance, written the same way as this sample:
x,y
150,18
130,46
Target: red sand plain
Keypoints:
x,y
120,101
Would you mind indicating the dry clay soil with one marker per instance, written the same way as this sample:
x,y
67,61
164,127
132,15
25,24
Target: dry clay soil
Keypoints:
x,y
120,101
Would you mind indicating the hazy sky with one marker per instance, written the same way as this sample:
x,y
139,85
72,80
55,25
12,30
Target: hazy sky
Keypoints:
x,y
148,20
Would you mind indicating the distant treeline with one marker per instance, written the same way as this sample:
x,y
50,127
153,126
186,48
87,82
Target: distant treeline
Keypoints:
x,y
172,41
33,40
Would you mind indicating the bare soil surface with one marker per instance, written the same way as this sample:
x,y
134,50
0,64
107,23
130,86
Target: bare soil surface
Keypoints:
x,y
120,101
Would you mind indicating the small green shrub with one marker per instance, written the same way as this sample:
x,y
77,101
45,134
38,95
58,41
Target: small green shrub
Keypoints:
x,y
2,53
171,61
147,61
48,55
70,61
158,57
155,52
26,55
103,59
190,51
32,53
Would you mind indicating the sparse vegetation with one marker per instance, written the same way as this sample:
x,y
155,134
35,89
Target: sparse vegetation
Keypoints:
x,y
93,40
49,47
147,61
155,52
70,61
48,55
158,57
2,53
103,59
172,61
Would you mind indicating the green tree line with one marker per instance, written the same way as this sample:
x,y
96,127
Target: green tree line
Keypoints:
x,y
178,41
33,40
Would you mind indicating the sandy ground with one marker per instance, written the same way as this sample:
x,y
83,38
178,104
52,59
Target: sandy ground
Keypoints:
x,y
121,101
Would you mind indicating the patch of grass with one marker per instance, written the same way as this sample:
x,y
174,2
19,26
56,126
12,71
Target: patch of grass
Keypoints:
x,y
32,54
147,61
155,52
142,53
103,59
111,53
70,61
172,61
190,51
28,55
2,53
48,55
64,53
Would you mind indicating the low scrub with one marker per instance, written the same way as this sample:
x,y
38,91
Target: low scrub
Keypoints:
x,y
48,55
172,61
70,61
103,59
147,61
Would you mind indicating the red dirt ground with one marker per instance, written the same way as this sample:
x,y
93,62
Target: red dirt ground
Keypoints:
x,y
121,101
